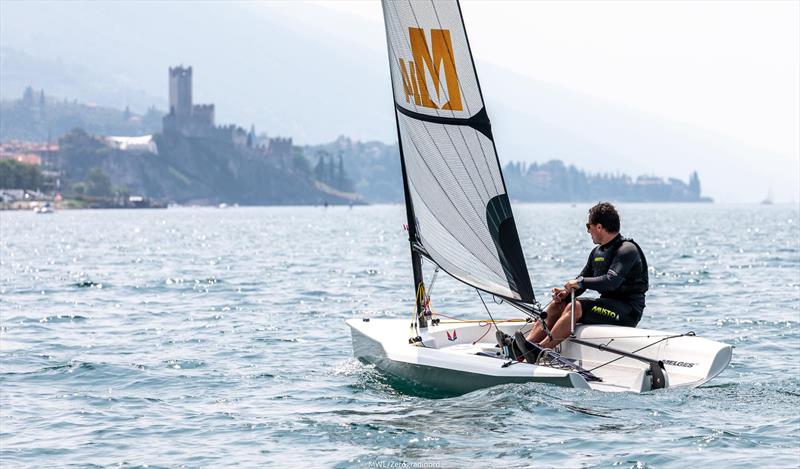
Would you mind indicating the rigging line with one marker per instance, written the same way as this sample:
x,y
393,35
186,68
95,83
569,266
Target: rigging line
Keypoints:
x,y
637,350
487,309
478,321
455,319
637,337
489,286
433,280
509,298
484,285
488,329
414,320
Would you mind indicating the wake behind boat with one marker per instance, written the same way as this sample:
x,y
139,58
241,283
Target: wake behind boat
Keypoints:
x,y
460,220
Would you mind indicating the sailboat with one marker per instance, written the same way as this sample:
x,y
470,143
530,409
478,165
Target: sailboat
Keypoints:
x,y
770,197
460,221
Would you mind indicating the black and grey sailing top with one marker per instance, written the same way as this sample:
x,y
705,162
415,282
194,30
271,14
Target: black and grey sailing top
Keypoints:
x,y
617,269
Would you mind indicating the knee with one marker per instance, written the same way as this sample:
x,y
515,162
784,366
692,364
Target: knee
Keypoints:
x,y
555,308
568,310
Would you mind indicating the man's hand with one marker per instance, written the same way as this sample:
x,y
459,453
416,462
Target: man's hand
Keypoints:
x,y
559,295
570,285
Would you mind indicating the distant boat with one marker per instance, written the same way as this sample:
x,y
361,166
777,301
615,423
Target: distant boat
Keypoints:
x,y
44,209
770,198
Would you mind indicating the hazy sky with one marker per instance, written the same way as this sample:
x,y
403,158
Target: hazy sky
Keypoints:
x,y
727,74
730,68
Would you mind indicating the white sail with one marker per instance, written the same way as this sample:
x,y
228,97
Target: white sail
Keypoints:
x,y
461,214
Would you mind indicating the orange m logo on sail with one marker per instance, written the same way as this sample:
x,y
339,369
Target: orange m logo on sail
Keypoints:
x,y
415,82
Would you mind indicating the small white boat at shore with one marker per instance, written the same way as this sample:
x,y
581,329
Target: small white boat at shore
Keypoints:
x,y
44,209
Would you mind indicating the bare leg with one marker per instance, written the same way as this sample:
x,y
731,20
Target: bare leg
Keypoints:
x,y
537,334
561,329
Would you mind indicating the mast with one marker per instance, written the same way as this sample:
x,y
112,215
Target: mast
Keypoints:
x,y
416,259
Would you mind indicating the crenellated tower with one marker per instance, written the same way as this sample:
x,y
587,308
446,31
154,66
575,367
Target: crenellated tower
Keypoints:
x,y
194,120
180,91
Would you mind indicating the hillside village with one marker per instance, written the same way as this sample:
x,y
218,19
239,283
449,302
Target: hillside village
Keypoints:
x,y
81,155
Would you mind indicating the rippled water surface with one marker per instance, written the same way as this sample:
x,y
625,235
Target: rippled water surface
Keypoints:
x,y
209,337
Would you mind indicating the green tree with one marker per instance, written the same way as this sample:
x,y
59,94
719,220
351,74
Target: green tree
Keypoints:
x,y
320,170
300,162
16,175
97,183
79,188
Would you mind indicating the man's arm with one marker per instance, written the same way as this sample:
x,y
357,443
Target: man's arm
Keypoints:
x,y
587,270
626,258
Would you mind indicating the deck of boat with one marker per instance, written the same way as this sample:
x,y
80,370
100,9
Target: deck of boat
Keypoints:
x,y
458,356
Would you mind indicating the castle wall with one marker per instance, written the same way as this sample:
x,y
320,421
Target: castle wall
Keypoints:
x,y
203,114
279,147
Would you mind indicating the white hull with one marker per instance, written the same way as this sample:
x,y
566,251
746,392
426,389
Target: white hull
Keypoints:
x,y
447,361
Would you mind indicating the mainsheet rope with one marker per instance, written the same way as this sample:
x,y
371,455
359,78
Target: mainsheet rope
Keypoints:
x,y
611,339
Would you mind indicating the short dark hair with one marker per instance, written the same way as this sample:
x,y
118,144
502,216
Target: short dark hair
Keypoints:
x,y
605,214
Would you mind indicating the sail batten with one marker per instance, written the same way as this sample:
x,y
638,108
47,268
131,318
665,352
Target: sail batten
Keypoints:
x,y
455,190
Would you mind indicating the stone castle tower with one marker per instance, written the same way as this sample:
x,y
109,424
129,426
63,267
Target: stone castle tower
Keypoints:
x,y
180,91
185,117
194,120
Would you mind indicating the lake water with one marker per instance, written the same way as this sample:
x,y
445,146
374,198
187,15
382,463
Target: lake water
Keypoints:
x,y
200,337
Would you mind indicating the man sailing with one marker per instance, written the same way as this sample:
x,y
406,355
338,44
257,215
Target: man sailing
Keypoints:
x,y
616,268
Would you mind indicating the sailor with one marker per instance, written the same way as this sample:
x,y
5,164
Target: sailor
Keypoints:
x,y
616,268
